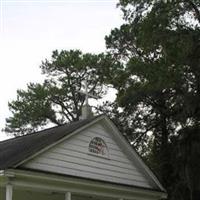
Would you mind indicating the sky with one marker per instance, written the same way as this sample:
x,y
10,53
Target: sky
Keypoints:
x,y
31,29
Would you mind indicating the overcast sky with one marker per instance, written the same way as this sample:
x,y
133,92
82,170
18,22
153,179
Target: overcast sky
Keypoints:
x,y
32,29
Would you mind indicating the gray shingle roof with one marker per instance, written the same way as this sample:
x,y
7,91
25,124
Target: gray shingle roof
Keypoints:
x,y
15,150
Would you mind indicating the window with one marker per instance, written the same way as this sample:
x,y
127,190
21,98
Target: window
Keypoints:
x,y
97,146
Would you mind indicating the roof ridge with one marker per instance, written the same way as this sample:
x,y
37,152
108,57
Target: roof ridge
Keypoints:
x,y
47,129
33,133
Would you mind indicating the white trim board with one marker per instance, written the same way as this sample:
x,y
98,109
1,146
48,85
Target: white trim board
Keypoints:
x,y
40,181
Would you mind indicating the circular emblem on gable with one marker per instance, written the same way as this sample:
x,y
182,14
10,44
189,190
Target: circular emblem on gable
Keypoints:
x,y
98,146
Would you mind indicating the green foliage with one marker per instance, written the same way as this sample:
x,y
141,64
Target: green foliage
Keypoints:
x,y
158,87
187,162
31,109
58,99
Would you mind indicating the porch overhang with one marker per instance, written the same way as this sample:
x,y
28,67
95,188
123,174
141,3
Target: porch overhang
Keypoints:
x,y
53,183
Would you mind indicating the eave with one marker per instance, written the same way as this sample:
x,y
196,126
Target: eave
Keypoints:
x,y
54,183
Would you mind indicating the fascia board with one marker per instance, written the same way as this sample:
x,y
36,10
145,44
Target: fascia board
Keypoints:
x,y
133,155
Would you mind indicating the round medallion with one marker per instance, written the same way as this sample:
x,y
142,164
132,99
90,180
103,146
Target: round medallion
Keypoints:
x,y
98,146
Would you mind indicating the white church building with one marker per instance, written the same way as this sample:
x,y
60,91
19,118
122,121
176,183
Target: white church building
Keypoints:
x,y
84,160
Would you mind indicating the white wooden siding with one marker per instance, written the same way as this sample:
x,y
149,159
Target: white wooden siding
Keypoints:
x,y
71,157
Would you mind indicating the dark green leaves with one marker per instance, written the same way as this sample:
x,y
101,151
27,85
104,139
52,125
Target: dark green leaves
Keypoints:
x,y
58,99
158,86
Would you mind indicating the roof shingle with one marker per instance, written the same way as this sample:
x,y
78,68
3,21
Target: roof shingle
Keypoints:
x,y
15,150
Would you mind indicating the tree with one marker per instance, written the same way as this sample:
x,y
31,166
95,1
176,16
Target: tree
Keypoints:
x,y
58,99
187,163
158,88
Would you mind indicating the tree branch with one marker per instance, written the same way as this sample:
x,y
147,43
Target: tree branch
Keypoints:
x,y
60,103
196,10
53,120
65,114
